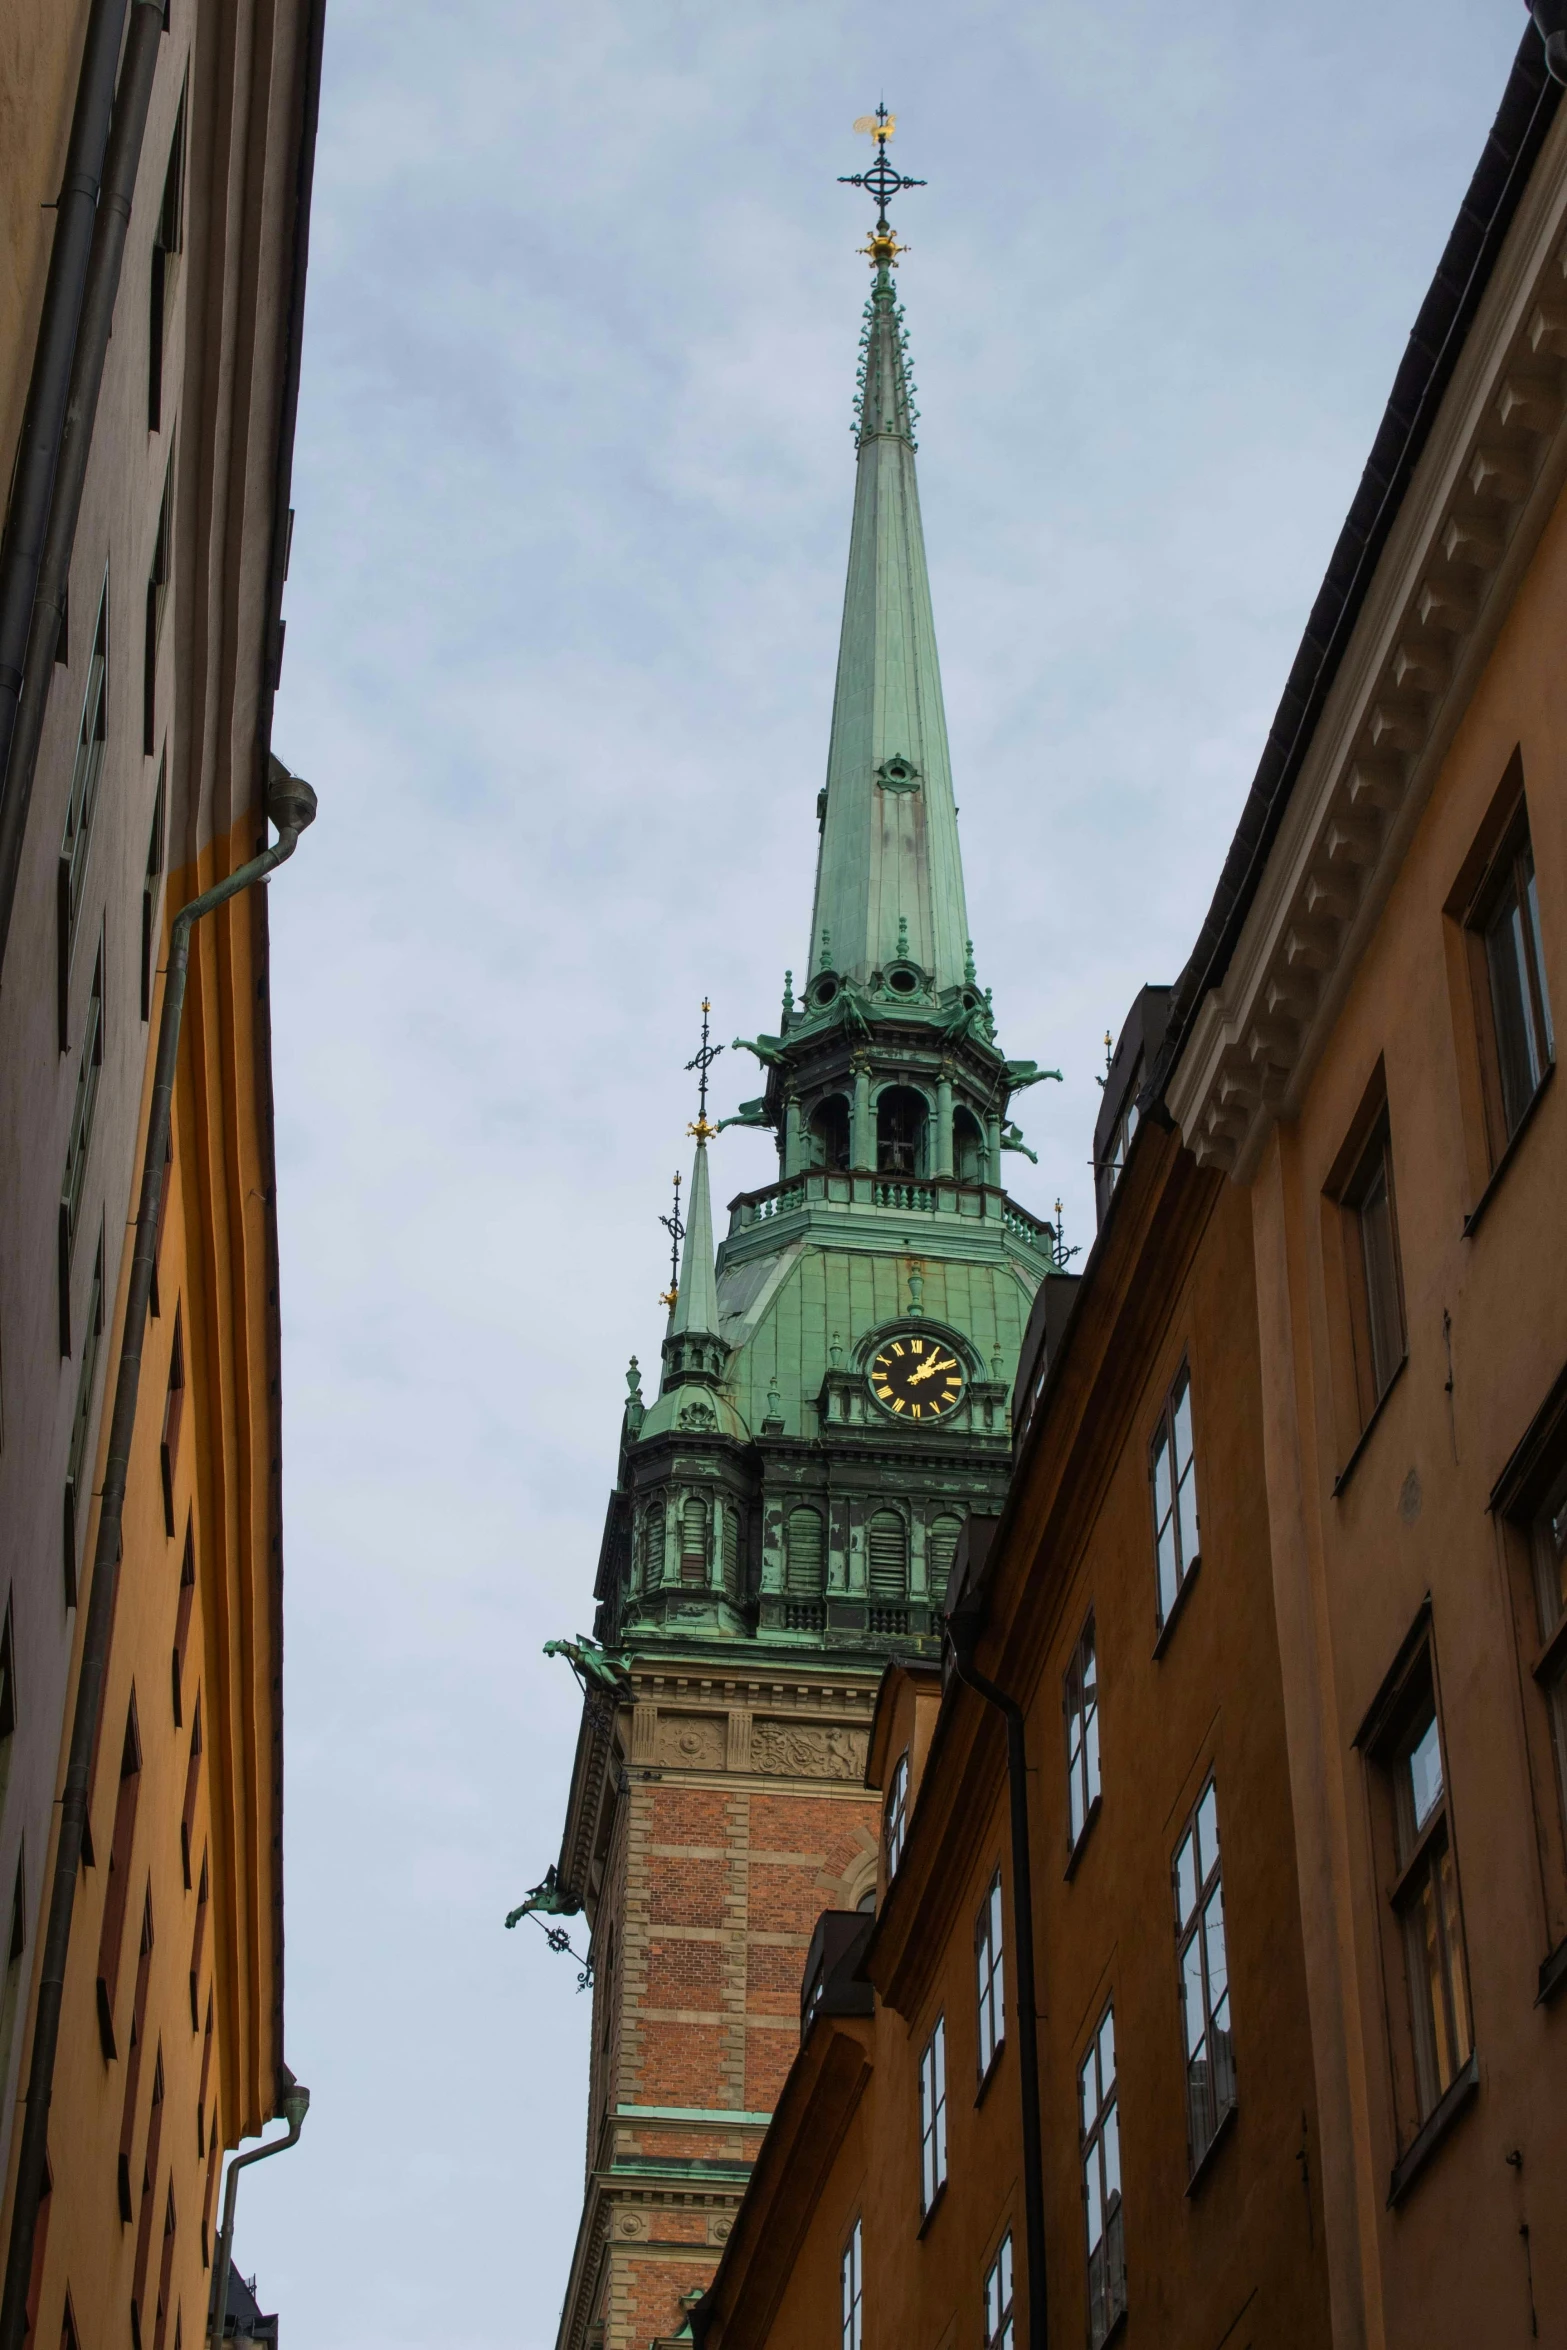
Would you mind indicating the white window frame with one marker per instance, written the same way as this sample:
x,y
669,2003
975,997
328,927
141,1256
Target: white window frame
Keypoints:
x,y
933,2116
990,1977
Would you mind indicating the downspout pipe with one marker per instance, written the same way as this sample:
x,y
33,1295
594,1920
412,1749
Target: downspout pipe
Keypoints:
x,y
962,1634
291,804
121,162
293,2104
43,419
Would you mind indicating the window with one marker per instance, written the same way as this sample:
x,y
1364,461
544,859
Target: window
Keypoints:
x,y
1081,1701
989,1980
693,1539
829,1133
1101,2148
653,1545
73,1182
1375,1282
112,1934
1518,1042
1548,1543
998,2298
80,809
968,1147
887,1554
165,246
941,1545
731,1529
897,1814
1425,1897
150,888
77,1474
1174,1474
853,2290
1205,1979
933,2116
173,1413
157,596
902,1116
1120,1139
803,1553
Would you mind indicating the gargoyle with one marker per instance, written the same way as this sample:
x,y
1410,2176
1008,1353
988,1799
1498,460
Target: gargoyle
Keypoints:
x,y
551,1897
1021,1073
590,1664
1012,1140
768,1049
748,1114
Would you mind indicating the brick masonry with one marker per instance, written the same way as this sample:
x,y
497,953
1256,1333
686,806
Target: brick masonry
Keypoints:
x,y
712,1874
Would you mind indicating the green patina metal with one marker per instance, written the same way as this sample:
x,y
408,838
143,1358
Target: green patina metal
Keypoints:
x,y
765,1496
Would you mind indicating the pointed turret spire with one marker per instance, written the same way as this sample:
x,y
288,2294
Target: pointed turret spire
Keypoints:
x,y
889,879
696,1303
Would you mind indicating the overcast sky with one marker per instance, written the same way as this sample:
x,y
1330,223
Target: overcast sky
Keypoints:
x,y
573,485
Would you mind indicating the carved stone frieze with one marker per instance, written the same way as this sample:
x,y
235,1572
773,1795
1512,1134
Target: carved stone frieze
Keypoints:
x,y
692,1742
808,1750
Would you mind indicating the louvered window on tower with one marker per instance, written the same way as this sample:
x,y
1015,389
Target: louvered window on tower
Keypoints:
x,y
887,1548
941,1545
693,1540
653,1546
731,1550
803,1569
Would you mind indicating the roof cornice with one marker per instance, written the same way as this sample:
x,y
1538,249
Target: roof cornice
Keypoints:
x,y
1478,500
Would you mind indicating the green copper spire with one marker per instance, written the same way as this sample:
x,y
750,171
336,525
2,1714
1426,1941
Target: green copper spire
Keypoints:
x,y
696,1301
889,877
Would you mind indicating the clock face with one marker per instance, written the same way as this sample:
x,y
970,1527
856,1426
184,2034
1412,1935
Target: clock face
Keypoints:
x,y
917,1377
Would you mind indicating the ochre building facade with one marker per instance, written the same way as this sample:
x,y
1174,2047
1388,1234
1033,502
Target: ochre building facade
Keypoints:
x,y
133,774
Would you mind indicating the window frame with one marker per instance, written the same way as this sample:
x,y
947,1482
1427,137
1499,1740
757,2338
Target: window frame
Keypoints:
x,y
933,2117
1530,1492
1505,876
1164,1442
998,2298
895,1815
81,809
1095,2134
1080,1706
851,2275
990,1981
1409,1848
1209,2106
1377,1365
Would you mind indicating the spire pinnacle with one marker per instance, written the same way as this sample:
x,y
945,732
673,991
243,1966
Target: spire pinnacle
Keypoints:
x,y
674,1225
889,877
696,1302
702,1060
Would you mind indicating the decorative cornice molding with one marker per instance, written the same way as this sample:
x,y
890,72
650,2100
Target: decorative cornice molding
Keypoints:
x,y
1476,508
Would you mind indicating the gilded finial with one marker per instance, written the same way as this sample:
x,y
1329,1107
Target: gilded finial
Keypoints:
x,y
1109,1051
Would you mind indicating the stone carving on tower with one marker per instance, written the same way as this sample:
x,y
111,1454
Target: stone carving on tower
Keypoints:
x,y
832,1401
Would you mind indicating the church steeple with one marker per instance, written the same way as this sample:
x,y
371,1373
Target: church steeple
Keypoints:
x,y
889,876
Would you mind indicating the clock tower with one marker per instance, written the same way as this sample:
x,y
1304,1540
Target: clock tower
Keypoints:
x,y
832,1401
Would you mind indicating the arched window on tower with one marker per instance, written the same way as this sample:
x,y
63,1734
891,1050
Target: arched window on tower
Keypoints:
x,y
887,1556
902,1118
829,1132
941,1544
968,1147
803,1553
693,1539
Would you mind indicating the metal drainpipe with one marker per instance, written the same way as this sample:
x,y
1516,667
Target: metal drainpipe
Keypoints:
x,y
294,2103
291,804
962,1638
120,164
43,421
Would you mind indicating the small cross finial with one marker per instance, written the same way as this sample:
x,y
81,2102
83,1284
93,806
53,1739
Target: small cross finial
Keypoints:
x,y
674,1225
701,1061
1109,1051
883,181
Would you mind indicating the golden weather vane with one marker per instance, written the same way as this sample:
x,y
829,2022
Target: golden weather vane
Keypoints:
x,y
674,1225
